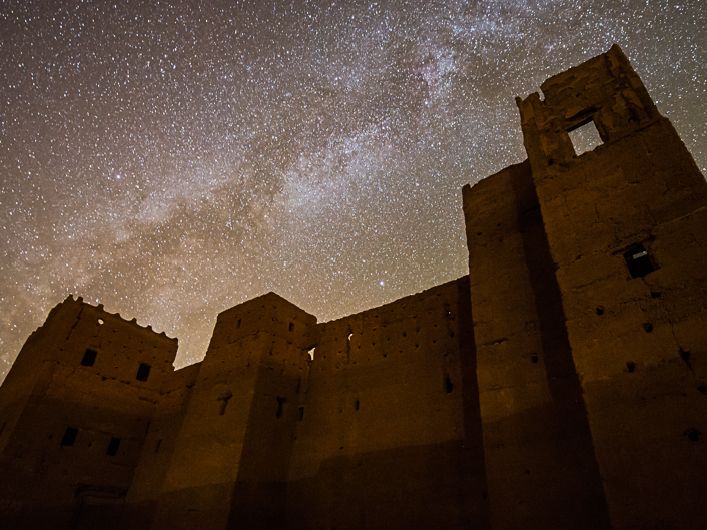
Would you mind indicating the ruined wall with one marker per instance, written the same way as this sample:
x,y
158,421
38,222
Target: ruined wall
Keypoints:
x,y
627,227
539,459
78,436
388,420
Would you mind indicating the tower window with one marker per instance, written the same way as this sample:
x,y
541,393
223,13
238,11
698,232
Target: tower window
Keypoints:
x,y
143,372
638,261
89,357
280,406
585,137
113,446
69,437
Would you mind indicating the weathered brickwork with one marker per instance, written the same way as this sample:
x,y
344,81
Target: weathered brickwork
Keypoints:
x,y
562,384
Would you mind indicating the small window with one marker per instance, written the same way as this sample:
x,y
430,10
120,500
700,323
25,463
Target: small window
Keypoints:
x,y
280,406
69,437
638,261
113,446
143,372
89,357
585,137
238,324
448,385
291,327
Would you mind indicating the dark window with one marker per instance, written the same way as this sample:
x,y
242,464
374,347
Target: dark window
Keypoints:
x,y
113,446
238,324
638,261
69,437
143,372
291,327
280,406
89,357
448,385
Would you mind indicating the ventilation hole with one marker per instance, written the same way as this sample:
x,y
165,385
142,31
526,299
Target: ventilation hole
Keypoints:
x,y
693,434
685,355
534,358
630,367
599,311
113,446
69,437
280,406
648,327
448,385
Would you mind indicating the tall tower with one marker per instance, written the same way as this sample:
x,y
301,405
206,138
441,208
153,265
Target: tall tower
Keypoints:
x,y
626,229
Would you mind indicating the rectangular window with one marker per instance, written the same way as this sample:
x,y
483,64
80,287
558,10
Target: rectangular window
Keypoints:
x,y
89,357
638,261
69,437
143,372
113,446
585,137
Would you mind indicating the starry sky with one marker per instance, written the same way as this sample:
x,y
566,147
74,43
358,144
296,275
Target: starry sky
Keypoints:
x,y
173,159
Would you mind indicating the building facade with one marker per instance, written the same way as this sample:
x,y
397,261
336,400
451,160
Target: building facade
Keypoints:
x,y
562,383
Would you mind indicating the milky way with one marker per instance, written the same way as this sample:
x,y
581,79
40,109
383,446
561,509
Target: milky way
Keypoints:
x,y
171,160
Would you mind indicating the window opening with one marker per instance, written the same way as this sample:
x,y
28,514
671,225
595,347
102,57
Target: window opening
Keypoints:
x,y
358,405
143,372
223,398
69,437
585,137
291,326
448,385
238,324
89,357
113,446
280,406
638,261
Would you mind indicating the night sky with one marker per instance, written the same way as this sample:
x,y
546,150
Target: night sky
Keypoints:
x,y
171,160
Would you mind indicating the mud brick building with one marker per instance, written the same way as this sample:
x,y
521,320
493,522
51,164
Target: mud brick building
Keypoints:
x,y
561,384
